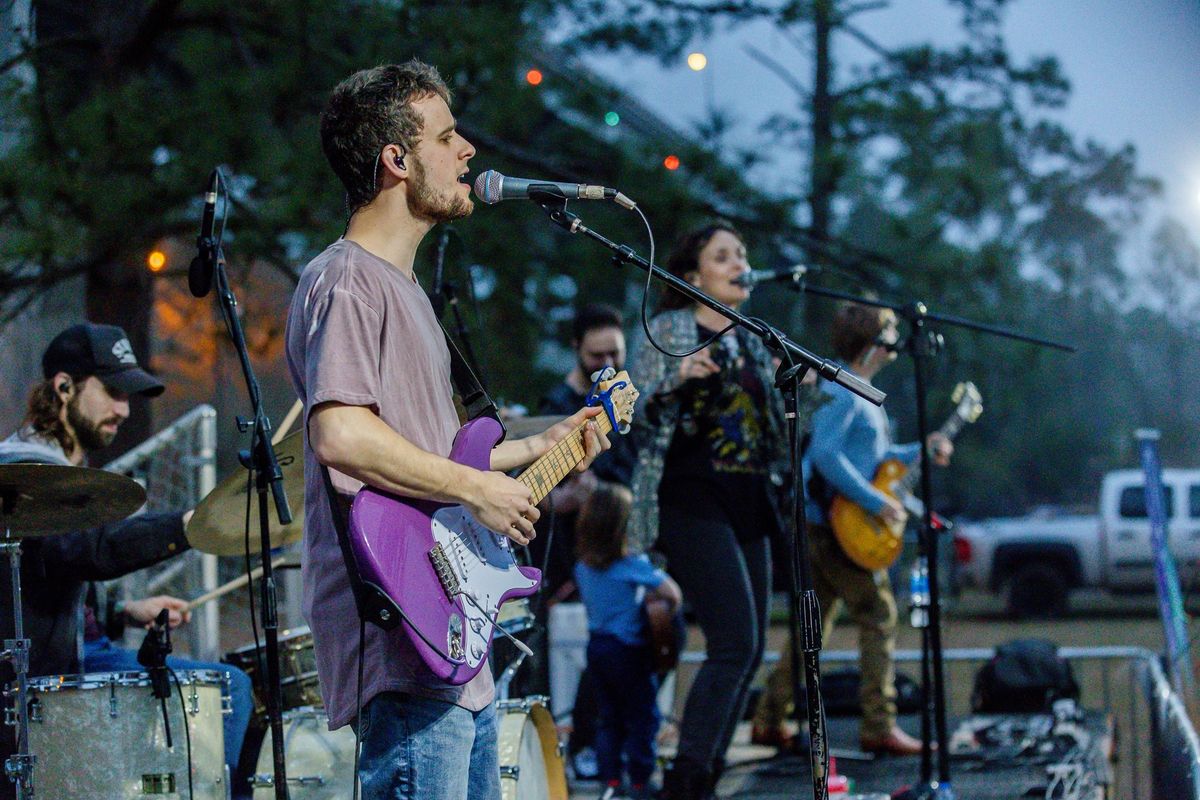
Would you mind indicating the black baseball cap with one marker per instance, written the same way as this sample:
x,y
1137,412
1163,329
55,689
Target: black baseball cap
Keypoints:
x,y
103,351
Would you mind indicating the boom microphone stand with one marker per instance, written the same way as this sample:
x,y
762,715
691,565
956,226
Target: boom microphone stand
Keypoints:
x,y
921,343
796,361
268,477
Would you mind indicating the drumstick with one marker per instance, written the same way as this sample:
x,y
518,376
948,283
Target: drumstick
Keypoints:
x,y
236,583
286,425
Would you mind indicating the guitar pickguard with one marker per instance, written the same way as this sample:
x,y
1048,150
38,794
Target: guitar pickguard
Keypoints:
x,y
483,567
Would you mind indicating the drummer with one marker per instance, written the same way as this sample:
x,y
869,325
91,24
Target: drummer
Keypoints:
x,y
89,372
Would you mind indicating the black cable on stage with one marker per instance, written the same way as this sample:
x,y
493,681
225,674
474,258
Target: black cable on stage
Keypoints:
x,y
187,732
250,582
362,649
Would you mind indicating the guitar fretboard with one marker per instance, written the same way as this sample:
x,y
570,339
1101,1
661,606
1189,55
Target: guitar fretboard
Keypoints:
x,y
905,485
545,473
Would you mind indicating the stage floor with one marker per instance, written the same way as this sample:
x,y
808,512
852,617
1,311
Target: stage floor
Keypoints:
x,y
757,773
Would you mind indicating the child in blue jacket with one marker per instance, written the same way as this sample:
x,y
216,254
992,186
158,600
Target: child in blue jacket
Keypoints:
x,y
614,586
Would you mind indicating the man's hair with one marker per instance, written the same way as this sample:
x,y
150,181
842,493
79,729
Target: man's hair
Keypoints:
x,y
595,316
45,407
855,327
600,526
685,258
370,110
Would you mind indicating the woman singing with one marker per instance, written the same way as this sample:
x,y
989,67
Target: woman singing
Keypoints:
x,y
711,436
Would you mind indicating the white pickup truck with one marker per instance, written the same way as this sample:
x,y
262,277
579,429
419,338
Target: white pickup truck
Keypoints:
x,y
1035,561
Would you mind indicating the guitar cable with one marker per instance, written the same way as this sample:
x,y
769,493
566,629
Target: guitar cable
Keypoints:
x,y
362,649
524,648
187,731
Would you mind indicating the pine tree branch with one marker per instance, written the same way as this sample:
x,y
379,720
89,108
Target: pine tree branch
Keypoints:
x,y
780,71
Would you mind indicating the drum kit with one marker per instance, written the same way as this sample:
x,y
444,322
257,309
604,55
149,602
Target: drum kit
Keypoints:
x,y
66,725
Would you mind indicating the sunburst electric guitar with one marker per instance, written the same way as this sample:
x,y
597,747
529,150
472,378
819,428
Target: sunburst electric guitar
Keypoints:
x,y
442,573
868,540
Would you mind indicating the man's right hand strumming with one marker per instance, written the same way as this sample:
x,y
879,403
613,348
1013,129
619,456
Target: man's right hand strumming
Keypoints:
x,y
893,512
503,504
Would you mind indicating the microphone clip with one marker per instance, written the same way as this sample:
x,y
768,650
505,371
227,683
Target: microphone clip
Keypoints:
x,y
153,654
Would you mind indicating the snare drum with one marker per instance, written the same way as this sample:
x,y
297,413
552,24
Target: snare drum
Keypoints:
x,y
102,735
531,763
515,616
319,762
297,671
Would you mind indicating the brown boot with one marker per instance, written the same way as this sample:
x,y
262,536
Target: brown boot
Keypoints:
x,y
775,736
896,743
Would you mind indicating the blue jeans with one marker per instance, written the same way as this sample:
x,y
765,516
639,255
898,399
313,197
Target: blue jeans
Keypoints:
x,y
101,655
414,748
627,720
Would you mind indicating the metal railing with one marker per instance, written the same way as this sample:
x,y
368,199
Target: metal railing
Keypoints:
x,y
1156,749
178,467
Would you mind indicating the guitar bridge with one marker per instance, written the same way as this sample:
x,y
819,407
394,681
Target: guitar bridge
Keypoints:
x,y
441,565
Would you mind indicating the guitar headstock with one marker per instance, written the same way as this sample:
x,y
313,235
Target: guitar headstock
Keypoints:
x,y
969,402
618,396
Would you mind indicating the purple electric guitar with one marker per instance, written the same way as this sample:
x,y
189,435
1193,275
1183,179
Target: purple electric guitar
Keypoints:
x,y
443,573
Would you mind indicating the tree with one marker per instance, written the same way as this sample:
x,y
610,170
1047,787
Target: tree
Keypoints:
x,y
133,103
939,170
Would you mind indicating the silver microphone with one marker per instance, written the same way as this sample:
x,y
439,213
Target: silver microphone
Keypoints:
x,y
754,277
492,187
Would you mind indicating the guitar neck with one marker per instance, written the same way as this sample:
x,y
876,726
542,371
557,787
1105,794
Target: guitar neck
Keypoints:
x,y
558,462
951,429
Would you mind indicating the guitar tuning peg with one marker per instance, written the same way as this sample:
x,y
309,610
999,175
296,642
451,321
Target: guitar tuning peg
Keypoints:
x,y
604,374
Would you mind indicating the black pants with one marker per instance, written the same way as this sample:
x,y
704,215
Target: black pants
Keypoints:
x,y
727,582
626,694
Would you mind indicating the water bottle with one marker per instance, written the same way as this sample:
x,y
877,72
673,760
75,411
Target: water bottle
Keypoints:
x,y
918,594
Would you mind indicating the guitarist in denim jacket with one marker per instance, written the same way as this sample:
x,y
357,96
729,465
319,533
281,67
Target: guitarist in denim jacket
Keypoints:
x,y
850,439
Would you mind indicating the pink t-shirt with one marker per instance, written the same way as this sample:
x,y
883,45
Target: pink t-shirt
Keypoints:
x,y
360,332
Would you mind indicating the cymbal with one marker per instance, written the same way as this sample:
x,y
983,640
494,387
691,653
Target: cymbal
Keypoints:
x,y
520,427
47,499
219,525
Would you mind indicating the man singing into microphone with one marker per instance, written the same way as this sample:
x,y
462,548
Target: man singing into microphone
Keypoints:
x,y
370,361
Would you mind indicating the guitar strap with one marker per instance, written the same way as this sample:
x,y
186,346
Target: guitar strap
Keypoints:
x,y
372,602
475,398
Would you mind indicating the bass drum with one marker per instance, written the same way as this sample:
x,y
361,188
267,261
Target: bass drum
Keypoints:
x,y
319,762
531,762
101,735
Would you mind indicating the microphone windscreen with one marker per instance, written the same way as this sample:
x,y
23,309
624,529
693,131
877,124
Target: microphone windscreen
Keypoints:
x,y
200,277
487,186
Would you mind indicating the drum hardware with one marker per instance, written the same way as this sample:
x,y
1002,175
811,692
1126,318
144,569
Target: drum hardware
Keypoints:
x,y
153,656
297,669
87,751
531,762
320,762
266,779
506,677
161,783
44,500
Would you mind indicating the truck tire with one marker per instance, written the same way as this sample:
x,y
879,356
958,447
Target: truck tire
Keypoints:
x,y
1036,591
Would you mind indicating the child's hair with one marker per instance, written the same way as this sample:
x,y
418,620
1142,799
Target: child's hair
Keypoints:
x,y
600,527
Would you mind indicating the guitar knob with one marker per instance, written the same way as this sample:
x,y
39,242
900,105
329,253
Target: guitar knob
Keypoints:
x,y
476,652
477,625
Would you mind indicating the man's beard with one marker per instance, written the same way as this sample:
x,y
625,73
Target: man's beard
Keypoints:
x,y
87,433
588,373
426,204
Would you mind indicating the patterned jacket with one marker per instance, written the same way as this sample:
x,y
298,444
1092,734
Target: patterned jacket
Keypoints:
x,y
658,410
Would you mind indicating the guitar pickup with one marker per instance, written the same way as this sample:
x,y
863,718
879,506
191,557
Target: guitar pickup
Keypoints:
x,y
445,574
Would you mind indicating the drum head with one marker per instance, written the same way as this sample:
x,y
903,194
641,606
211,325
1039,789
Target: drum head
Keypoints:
x,y
531,766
